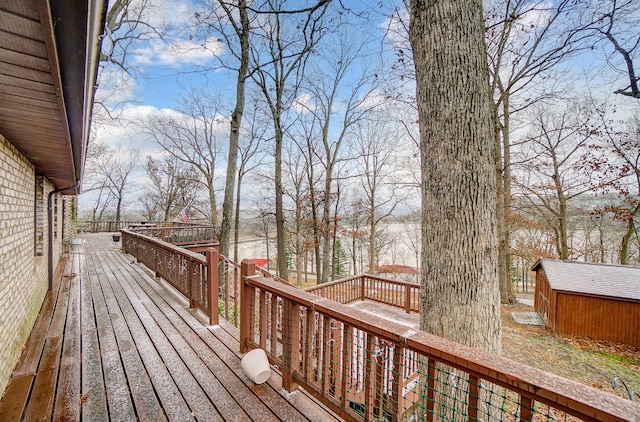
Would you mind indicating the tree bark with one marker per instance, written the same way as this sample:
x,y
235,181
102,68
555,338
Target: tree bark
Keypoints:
x,y
503,174
459,285
460,297
242,30
631,229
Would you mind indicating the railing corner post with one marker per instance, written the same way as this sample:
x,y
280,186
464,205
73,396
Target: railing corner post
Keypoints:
x,y
247,268
212,283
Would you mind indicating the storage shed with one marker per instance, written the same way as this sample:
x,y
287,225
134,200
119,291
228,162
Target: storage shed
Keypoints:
x,y
593,300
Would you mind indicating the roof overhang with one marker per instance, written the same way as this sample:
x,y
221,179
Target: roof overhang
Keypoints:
x,y
49,53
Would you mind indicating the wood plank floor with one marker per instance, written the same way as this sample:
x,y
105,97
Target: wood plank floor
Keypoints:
x,y
112,343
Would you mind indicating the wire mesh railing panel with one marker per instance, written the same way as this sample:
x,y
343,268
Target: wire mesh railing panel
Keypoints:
x,y
365,368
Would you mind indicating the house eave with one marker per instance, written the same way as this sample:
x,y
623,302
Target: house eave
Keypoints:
x,y
49,52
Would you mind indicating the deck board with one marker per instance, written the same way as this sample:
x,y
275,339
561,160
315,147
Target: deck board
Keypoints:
x,y
199,359
67,404
113,343
94,400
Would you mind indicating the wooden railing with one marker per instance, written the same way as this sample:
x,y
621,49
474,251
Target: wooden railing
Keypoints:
x,y
192,274
188,271
114,226
399,294
182,235
230,288
367,368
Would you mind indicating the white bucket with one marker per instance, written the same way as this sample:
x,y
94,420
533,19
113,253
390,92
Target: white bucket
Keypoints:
x,y
256,365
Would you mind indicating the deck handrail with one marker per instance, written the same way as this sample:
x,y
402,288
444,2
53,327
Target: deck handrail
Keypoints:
x,y
399,294
182,235
98,226
360,365
192,274
230,288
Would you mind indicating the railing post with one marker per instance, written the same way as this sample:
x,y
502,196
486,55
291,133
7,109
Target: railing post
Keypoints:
x,y
193,288
407,298
362,289
472,407
290,344
397,381
212,284
247,268
526,409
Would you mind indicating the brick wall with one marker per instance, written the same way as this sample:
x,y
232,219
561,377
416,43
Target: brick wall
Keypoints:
x,y
23,252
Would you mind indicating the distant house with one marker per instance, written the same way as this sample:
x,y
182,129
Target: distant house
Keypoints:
x,y
404,272
593,300
48,63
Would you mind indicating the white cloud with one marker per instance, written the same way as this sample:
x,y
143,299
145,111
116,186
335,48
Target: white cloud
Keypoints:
x,y
302,104
178,53
115,86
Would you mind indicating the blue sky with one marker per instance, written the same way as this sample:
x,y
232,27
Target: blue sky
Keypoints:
x,y
161,69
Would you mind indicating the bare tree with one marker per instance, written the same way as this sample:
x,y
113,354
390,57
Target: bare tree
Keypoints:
x,y
117,165
338,100
278,66
375,146
128,22
618,26
192,137
250,159
526,43
173,185
230,20
96,181
460,294
356,228
625,145
557,166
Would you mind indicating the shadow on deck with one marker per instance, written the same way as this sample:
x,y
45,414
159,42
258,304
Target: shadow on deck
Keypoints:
x,y
111,343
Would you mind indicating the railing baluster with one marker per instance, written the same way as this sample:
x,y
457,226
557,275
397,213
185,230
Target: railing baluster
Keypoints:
x,y
472,402
308,346
192,283
326,360
431,388
526,409
396,386
248,267
226,266
368,382
263,320
347,344
273,332
212,285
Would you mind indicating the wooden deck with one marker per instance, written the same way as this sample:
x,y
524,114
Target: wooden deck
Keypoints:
x,y
112,343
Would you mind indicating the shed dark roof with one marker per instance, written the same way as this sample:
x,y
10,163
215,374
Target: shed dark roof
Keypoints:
x,y
619,281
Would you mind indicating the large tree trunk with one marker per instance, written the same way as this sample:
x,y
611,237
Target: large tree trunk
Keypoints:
x,y
459,265
280,239
460,292
631,229
236,220
326,231
372,239
503,154
234,134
